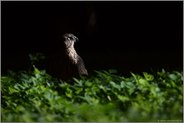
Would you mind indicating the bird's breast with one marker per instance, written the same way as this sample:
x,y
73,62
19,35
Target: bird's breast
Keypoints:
x,y
73,56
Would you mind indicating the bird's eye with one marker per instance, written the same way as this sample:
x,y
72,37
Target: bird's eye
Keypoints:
x,y
71,38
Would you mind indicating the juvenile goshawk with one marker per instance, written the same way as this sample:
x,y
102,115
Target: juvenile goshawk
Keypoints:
x,y
71,64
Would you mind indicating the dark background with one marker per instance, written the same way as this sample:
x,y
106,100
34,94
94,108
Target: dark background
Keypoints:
x,y
127,36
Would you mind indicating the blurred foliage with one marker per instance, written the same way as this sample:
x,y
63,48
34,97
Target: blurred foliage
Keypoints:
x,y
103,97
36,57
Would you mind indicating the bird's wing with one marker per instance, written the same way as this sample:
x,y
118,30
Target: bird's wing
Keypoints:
x,y
81,67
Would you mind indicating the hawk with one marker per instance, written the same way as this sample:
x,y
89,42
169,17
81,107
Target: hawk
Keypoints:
x,y
69,64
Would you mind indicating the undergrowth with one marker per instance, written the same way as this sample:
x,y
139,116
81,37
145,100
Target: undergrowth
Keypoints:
x,y
103,97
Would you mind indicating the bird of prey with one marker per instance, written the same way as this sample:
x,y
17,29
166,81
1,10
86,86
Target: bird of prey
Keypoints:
x,y
70,63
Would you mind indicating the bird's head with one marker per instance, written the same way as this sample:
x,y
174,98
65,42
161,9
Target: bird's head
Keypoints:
x,y
69,39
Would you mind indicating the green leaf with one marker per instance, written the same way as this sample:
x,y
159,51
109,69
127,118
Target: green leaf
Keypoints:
x,y
173,77
148,77
115,85
123,98
36,71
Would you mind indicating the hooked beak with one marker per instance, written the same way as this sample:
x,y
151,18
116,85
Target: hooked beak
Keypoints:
x,y
76,38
